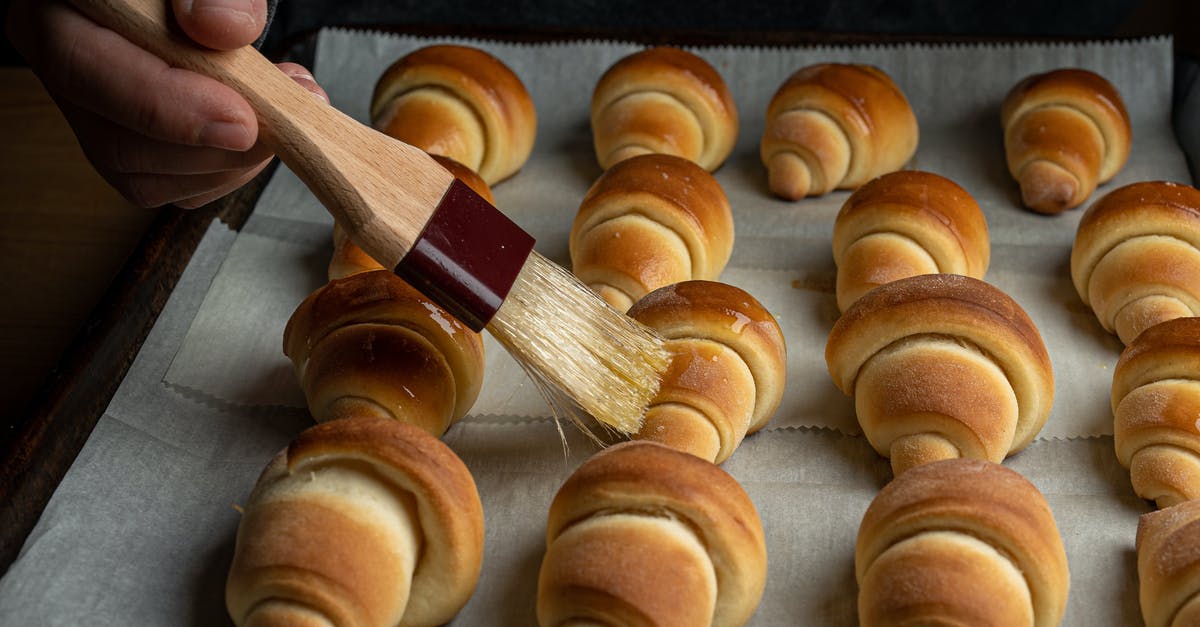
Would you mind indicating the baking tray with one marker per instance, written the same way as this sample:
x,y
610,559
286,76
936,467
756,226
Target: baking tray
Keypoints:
x,y
49,438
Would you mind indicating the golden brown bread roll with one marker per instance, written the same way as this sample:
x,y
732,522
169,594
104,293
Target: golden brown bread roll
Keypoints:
x,y
460,102
942,366
728,367
372,344
649,221
1065,132
835,126
663,100
349,259
642,534
903,224
362,521
960,542
1168,557
1136,257
1156,405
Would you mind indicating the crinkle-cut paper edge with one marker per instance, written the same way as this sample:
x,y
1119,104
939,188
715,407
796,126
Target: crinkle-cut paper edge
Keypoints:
x,y
212,401
915,43
592,429
858,434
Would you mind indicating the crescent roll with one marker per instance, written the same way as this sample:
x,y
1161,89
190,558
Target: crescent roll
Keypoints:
x,y
642,534
960,542
459,102
649,221
727,372
363,521
1065,132
942,366
349,259
371,344
903,224
1136,257
663,100
1168,561
835,126
1156,404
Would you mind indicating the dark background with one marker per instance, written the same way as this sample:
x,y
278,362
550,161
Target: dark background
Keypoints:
x,y
768,21
760,22
1037,18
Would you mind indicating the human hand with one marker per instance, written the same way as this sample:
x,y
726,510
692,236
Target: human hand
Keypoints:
x,y
157,134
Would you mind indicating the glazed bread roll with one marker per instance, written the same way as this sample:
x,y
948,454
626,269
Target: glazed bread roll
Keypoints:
x,y
459,102
960,542
642,534
649,221
835,126
942,366
728,367
349,259
1136,257
903,224
1156,403
1065,132
372,344
663,100
363,521
1168,558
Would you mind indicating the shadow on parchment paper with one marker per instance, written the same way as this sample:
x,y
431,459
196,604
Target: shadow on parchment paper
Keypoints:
x,y
1083,319
990,159
841,602
209,599
521,610
577,147
747,167
1105,464
270,383
316,266
1131,607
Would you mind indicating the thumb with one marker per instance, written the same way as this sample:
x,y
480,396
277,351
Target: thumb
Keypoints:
x,y
222,24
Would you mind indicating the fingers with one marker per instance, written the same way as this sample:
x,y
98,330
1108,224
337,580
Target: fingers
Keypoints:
x,y
98,70
172,173
158,134
152,173
222,24
186,190
124,151
229,187
304,78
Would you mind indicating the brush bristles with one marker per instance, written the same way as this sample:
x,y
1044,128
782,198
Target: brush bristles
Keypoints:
x,y
572,343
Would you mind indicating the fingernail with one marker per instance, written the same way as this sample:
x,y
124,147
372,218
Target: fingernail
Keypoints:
x,y
227,135
244,6
320,94
238,9
307,81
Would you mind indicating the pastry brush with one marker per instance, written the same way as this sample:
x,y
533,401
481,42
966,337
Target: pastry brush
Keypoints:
x,y
412,215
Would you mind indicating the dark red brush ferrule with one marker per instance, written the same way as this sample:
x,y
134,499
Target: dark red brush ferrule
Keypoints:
x,y
468,256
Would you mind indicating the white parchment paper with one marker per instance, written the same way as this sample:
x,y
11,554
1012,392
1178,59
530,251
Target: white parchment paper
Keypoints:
x,y
140,532
782,250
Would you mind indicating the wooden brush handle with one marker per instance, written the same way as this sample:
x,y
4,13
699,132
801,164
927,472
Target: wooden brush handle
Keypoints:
x,y
383,191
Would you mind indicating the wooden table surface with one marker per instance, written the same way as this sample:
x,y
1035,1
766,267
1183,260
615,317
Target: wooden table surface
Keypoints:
x,y
83,277
64,234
